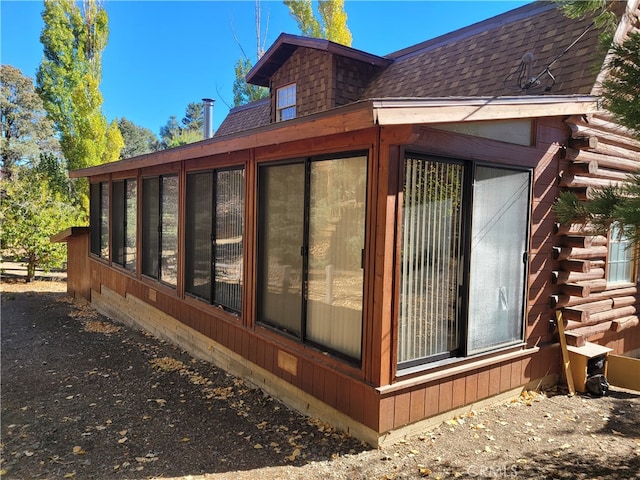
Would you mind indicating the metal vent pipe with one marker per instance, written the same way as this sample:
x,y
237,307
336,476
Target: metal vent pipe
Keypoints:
x,y
208,117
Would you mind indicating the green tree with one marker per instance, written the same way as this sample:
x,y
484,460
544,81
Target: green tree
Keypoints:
x,y
621,88
26,131
68,81
194,116
189,130
137,140
32,210
331,22
619,204
244,92
621,93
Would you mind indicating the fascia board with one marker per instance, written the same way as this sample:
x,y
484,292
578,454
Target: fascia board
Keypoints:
x,y
403,111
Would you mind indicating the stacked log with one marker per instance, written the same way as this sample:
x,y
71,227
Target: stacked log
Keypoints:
x,y
600,153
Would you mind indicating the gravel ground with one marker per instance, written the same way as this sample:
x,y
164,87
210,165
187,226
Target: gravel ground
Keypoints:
x,y
84,397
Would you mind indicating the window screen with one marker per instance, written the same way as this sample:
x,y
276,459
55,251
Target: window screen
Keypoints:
x,y
150,226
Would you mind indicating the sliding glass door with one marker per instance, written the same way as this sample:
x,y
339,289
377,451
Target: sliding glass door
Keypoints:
x,y
310,250
463,261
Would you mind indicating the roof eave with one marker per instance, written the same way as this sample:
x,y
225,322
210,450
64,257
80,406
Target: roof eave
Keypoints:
x,y
361,115
469,109
348,118
286,44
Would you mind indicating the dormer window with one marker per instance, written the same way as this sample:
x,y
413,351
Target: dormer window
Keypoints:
x,y
286,103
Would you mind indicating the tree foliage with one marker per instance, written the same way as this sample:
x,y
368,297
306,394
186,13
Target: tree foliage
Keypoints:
x,y
188,130
137,140
68,81
330,23
26,131
244,92
621,93
619,204
34,207
621,88
603,17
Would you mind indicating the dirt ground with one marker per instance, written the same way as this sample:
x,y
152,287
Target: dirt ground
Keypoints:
x,y
84,397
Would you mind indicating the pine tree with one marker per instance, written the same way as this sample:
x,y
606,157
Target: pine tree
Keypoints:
x,y
621,94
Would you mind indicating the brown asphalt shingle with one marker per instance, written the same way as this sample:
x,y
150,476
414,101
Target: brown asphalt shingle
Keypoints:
x,y
245,117
479,60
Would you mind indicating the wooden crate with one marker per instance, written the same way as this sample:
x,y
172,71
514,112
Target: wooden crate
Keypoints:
x,y
579,358
624,371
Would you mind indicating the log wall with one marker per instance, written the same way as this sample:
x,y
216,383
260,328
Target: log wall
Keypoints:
x,y
599,153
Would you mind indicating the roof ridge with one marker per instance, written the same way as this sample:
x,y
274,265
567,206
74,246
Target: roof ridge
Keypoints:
x,y
526,11
249,105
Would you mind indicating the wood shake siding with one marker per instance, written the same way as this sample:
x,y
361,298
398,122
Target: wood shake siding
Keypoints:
x,y
350,79
311,70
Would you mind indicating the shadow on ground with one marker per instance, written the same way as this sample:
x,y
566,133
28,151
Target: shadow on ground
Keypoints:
x,y
84,397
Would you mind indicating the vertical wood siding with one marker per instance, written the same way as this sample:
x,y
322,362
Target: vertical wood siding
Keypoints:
x,y
359,392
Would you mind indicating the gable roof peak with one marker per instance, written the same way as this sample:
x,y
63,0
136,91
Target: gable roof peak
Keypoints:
x,y
286,44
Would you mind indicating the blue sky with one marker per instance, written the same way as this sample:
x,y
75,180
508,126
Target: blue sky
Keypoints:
x,y
162,55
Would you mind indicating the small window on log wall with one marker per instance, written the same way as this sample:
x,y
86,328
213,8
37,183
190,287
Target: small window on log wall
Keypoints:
x,y
621,257
463,259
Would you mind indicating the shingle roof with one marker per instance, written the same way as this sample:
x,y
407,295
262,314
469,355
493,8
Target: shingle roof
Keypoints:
x,y
245,117
481,60
286,44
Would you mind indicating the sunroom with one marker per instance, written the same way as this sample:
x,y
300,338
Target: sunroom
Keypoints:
x,y
371,272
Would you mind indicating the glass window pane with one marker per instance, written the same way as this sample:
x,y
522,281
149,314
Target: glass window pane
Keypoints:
x,y
131,224
281,202
620,261
229,238
336,242
198,235
499,235
104,220
430,258
169,231
118,222
150,224
286,103
94,192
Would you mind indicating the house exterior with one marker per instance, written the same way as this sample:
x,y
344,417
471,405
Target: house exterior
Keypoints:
x,y
374,244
